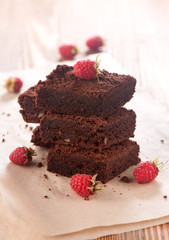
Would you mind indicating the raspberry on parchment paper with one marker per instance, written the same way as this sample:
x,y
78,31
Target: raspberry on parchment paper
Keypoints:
x,y
68,52
147,171
22,155
13,84
95,43
84,184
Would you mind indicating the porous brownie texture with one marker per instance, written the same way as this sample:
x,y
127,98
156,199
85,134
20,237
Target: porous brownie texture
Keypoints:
x,y
29,110
64,93
67,161
79,131
37,138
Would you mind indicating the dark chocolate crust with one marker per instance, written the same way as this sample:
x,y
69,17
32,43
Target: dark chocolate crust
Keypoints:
x,y
64,93
67,161
78,130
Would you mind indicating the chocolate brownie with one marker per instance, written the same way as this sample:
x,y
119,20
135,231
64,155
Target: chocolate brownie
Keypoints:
x,y
67,161
64,93
82,122
78,130
27,100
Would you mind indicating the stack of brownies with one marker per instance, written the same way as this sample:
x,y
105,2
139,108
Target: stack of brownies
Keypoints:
x,y
83,123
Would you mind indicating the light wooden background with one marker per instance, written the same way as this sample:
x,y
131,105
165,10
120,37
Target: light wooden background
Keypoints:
x,y
136,34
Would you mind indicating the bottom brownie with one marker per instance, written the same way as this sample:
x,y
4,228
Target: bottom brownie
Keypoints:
x,y
107,163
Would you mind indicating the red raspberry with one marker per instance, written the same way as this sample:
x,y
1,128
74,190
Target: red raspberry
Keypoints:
x,y
68,51
84,184
147,171
22,155
13,84
95,43
86,69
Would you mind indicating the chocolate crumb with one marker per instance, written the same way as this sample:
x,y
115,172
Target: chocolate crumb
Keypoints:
x,y
56,175
26,125
126,179
165,196
45,176
30,128
86,198
105,185
46,196
49,189
118,176
120,193
3,139
67,195
162,141
39,165
8,115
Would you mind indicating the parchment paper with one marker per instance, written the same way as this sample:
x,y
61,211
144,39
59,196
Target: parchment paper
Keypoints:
x,y
117,208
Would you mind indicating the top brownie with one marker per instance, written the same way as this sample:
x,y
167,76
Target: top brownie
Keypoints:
x,y
64,93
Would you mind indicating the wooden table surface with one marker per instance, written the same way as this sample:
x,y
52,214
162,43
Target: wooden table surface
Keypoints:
x,y
153,233
136,34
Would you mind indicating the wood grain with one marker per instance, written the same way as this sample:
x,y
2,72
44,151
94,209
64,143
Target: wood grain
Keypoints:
x,y
136,33
160,232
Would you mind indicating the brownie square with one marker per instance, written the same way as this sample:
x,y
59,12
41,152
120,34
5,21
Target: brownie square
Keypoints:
x,y
64,93
79,130
69,160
